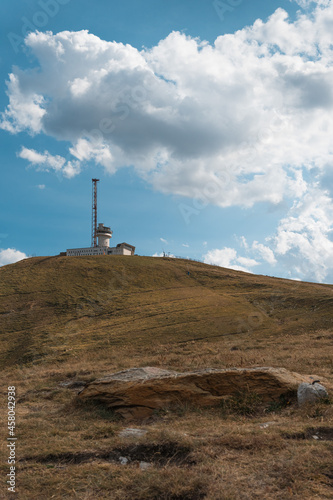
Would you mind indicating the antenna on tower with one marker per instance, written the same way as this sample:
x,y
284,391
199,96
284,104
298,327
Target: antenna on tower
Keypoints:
x,y
94,213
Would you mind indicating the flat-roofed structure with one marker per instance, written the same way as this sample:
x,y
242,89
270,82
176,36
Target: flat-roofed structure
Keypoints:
x,y
120,249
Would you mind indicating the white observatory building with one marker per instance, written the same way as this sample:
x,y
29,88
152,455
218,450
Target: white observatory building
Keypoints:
x,y
104,234
101,235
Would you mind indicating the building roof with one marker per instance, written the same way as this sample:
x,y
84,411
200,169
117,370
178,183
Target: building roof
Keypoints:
x,y
125,245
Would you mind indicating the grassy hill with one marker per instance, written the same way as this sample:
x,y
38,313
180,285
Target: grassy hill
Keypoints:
x,y
57,307
64,319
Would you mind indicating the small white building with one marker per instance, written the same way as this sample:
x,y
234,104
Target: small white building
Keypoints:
x,y
104,234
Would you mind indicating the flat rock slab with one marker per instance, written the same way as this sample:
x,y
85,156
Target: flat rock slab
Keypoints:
x,y
136,393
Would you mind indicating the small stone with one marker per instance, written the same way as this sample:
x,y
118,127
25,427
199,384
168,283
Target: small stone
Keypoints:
x,y
131,432
123,460
66,383
266,424
144,465
310,393
315,437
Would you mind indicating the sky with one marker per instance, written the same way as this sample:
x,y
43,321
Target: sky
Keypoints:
x,y
208,123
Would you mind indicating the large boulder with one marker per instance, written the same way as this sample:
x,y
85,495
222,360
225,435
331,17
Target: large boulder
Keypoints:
x,y
137,392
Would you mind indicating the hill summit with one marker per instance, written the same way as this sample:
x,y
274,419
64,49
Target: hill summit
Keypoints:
x,y
57,307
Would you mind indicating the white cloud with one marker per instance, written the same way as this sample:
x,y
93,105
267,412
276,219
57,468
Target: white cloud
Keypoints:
x,y
41,186
303,239
10,255
308,3
243,242
45,161
71,169
80,86
265,252
185,245
227,257
163,240
302,245
96,150
233,123
26,108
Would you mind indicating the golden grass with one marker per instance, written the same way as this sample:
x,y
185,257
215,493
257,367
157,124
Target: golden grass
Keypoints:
x,y
77,319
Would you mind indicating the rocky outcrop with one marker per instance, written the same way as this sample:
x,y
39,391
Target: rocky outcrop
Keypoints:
x,y
137,392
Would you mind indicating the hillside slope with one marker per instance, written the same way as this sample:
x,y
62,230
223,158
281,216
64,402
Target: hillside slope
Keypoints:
x,y
68,321
57,307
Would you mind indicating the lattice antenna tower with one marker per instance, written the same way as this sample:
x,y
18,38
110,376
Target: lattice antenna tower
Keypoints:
x,y
94,213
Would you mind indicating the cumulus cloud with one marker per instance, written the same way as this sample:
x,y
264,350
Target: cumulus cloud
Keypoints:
x,y
303,240
227,257
10,255
301,246
237,121
45,161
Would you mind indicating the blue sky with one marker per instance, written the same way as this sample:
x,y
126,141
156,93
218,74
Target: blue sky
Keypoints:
x,y
209,125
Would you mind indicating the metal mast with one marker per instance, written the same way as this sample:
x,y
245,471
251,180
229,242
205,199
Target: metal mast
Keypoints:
x,y
94,213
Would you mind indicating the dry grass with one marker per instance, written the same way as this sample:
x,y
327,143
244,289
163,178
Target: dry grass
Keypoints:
x,y
77,319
